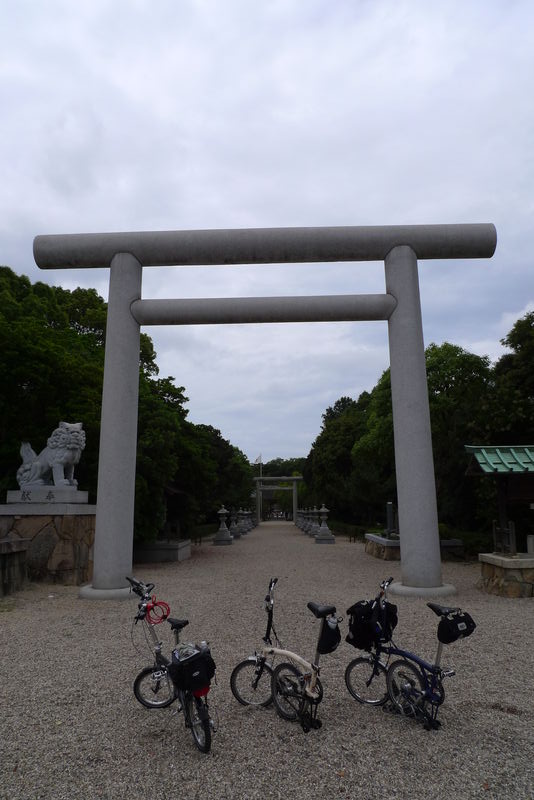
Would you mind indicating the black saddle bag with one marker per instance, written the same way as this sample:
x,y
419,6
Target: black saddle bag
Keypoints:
x,y
455,626
329,638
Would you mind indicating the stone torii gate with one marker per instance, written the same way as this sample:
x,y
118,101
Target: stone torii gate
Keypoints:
x,y
399,246
277,480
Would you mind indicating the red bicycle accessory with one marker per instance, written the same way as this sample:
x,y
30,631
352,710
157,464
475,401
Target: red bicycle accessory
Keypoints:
x,y
157,611
201,692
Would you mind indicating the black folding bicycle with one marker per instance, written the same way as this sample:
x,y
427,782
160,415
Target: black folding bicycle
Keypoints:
x,y
413,686
184,677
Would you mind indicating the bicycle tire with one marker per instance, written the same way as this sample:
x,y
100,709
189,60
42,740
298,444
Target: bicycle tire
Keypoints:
x,y
153,688
287,692
406,688
199,719
364,684
243,679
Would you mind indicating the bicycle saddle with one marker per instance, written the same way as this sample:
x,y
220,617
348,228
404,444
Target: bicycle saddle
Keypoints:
x,y
320,611
441,611
177,624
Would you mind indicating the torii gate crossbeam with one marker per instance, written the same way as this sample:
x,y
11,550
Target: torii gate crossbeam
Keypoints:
x,y
399,246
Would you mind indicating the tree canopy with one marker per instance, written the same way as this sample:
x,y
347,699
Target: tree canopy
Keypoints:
x,y
52,361
52,358
351,465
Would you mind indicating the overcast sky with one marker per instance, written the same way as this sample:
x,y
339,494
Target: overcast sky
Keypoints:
x,y
124,115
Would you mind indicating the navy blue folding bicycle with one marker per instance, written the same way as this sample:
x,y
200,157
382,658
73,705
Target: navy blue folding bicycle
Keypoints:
x,y
412,685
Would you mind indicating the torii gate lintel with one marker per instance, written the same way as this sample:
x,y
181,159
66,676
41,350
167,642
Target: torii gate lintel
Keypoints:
x,y
398,246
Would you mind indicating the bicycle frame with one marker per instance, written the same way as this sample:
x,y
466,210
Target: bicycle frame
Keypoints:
x,y
192,701
431,673
310,671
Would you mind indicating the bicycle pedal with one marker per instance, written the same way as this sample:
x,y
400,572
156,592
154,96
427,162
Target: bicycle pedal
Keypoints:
x,y
316,723
448,673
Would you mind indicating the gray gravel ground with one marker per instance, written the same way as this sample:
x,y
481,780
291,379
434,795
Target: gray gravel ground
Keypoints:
x,y
71,727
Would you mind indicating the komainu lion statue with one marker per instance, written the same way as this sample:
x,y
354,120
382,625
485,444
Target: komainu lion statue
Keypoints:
x,y
54,466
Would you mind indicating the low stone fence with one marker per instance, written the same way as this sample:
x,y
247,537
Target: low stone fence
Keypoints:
x,y
161,551
508,576
58,546
389,549
13,572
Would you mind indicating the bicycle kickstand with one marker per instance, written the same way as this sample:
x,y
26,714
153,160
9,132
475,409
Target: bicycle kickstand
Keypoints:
x,y
308,716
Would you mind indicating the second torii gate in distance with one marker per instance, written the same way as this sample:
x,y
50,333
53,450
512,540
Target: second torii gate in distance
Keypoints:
x,y
276,480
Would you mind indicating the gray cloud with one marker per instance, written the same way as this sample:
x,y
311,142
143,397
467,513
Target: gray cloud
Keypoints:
x,y
199,114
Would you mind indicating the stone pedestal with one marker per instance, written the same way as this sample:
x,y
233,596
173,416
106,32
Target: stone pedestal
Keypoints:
x,y
507,576
47,494
58,538
161,551
380,547
13,572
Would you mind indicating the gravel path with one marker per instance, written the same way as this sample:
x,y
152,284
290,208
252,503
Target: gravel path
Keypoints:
x,y
71,727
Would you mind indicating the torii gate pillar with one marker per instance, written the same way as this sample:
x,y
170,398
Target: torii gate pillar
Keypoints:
x,y
399,246
113,547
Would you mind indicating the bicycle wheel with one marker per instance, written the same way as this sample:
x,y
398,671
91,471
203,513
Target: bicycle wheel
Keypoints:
x,y
250,682
197,713
405,687
153,687
366,681
287,691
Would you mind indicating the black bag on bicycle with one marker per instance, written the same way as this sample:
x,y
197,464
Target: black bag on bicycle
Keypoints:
x,y
329,638
369,624
193,671
361,631
457,625
386,622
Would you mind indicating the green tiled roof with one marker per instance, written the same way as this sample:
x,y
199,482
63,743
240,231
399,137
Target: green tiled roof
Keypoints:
x,y
502,460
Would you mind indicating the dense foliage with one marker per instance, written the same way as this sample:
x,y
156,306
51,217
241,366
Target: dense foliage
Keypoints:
x,y
52,360
351,465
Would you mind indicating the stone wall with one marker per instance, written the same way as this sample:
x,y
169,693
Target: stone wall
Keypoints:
x,y
161,551
12,565
59,546
377,549
506,575
389,549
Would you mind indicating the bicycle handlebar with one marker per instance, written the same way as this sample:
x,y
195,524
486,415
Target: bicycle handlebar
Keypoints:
x,y
141,589
269,598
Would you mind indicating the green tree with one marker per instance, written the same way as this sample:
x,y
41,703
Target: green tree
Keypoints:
x,y
44,363
211,472
283,466
352,461
460,387
160,422
52,359
513,414
328,469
